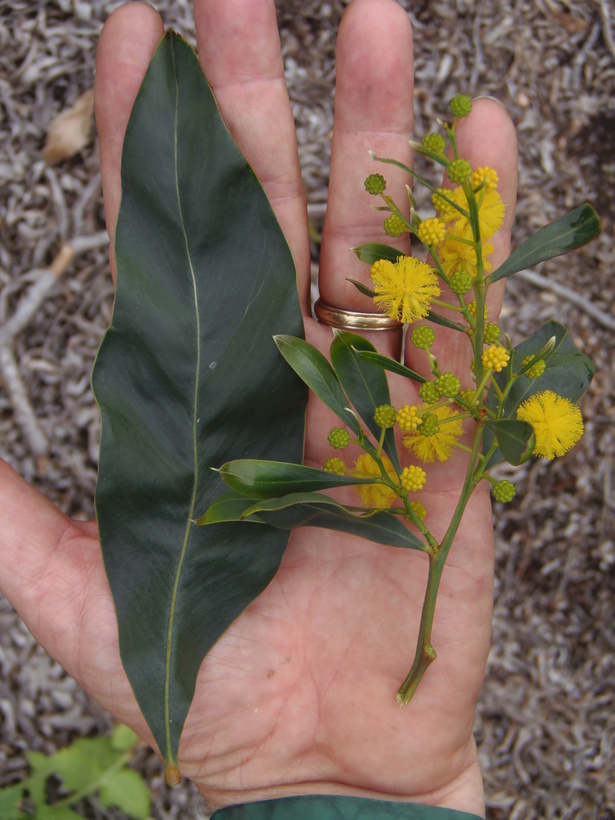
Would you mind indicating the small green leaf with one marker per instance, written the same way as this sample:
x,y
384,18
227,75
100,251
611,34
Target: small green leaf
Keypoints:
x,y
565,234
311,366
441,320
126,789
228,507
299,510
516,439
373,251
270,479
365,385
385,363
362,288
568,371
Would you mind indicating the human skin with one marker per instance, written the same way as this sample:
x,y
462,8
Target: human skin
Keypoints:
x,y
298,696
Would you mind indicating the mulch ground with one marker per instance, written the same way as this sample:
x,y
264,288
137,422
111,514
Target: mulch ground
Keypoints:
x,y
545,725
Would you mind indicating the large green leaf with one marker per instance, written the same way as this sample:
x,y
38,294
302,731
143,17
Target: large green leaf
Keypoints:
x,y
565,234
187,377
364,383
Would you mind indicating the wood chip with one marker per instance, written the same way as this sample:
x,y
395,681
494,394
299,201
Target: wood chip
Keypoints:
x,y
70,132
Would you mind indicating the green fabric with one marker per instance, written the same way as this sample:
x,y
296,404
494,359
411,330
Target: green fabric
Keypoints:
x,y
333,807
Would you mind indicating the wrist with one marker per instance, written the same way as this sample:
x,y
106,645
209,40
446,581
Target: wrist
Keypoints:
x,y
463,794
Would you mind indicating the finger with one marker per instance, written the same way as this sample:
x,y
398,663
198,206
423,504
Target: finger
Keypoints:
x,y
127,43
239,50
373,111
486,137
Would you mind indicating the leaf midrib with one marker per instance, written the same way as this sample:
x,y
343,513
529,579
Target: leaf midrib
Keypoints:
x,y
167,716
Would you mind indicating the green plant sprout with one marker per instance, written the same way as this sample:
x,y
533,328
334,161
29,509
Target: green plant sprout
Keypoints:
x,y
514,402
96,768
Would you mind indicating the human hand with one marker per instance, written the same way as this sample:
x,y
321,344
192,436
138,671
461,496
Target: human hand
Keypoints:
x,y
298,696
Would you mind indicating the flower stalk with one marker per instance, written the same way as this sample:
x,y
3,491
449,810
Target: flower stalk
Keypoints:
x,y
501,401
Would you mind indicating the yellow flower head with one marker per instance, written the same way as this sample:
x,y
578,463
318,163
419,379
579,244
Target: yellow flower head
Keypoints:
x,y
404,289
377,496
557,423
431,231
495,357
455,255
413,478
486,175
408,417
442,443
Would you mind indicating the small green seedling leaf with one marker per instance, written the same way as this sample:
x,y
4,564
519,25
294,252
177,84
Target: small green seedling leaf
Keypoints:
x,y
89,767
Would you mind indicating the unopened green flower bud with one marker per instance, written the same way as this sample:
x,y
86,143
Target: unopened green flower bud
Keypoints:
x,y
429,426
394,225
461,282
423,337
504,491
419,510
467,394
435,143
460,105
429,392
491,333
448,385
375,184
459,170
338,438
536,370
334,465
385,416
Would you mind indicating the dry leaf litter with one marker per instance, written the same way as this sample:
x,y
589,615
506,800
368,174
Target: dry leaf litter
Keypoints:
x,y
545,724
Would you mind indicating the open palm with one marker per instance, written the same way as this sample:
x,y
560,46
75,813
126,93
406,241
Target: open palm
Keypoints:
x,y
298,696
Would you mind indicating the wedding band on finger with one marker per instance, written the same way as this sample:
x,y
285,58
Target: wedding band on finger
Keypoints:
x,y
353,319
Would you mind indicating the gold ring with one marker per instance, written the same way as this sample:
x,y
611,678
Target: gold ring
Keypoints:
x,y
353,319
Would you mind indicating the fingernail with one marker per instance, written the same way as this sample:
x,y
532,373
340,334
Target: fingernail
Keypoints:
x,y
488,97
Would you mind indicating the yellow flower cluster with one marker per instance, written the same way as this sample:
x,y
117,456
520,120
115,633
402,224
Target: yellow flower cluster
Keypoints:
x,y
431,231
441,444
405,288
495,358
487,176
456,252
408,417
557,422
376,496
413,478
